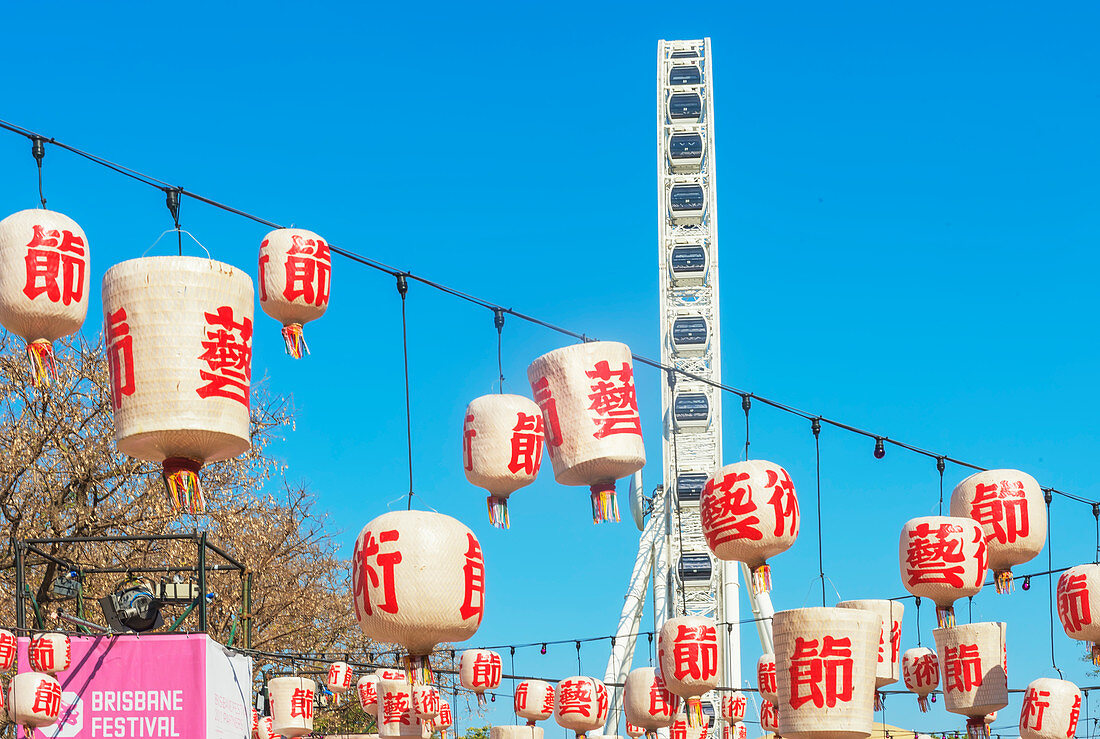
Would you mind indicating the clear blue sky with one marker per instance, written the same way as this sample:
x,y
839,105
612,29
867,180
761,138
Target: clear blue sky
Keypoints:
x,y
908,199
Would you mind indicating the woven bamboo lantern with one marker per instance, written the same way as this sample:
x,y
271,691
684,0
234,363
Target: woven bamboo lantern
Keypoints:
x,y
291,701
580,705
445,719
1078,598
633,731
34,699
825,662
502,448
1009,506
683,728
396,711
769,716
590,414
339,677
426,702
44,275
647,702
295,278
418,579
1050,709
687,650
734,706
178,335
480,670
942,558
888,668
7,650
765,677
50,653
515,732
534,701
921,670
749,513
975,683
367,690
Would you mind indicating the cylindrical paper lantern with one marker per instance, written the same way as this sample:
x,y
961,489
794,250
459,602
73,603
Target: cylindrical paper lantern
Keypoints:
x,y
479,670
291,701
590,412
7,650
765,678
972,660
426,702
888,668
647,701
534,701
516,732
825,662
367,689
683,728
396,712
502,448
687,650
44,275
34,699
749,513
178,335
942,558
339,677
1009,506
50,653
578,706
921,670
734,706
418,579
445,719
1078,598
1050,710
295,278
769,716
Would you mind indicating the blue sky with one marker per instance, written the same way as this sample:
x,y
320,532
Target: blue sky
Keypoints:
x,y
908,225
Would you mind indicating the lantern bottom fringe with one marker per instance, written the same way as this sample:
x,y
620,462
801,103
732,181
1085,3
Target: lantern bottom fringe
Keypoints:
x,y
418,669
945,616
295,341
1096,654
880,701
498,512
605,507
761,579
482,701
1002,581
922,703
181,482
43,365
694,711
977,728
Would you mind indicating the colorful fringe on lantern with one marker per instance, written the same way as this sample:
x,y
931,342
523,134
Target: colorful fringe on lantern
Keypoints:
x,y
694,711
945,616
922,703
498,512
43,366
295,341
1096,654
761,579
181,482
418,670
481,700
605,507
1003,581
977,728
880,701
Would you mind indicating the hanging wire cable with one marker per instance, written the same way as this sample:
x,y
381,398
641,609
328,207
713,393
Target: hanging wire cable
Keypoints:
x,y
403,289
671,377
941,466
1050,585
815,426
172,200
1096,516
38,151
498,321
746,404
917,618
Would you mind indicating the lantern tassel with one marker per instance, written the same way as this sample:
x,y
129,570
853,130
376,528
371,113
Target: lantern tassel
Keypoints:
x,y
605,507
498,512
880,701
181,482
482,701
694,710
295,340
43,365
945,616
922,703
1096,654
977,728
1003,581
761,579
418,669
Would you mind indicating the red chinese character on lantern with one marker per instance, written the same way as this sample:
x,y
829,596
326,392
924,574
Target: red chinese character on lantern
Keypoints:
x,y
695,652
765,677
548,701
308,270
678,730
42,656
468,434
895,640
661,702
473,573
1034,707
925,671
487,669
962,669
55,266
613,400
575,696
301,703
936,555
526,444
377,567
784,502
738,705
395,708
1073,602
429,701
227,351
120,356
549,406
1004,507
602,700
520,700
725,517
1074,715
7,650
47,698
445,717
822,676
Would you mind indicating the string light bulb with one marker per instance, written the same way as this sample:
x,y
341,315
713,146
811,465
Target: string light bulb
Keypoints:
x,y
543,650
1027,583
880,448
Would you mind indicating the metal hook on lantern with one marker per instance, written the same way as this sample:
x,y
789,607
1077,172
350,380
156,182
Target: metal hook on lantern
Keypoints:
x,y
38,151
180,231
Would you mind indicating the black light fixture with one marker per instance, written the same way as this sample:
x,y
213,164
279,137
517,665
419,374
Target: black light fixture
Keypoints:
x,y
880,448
1027,583
543,650
134,606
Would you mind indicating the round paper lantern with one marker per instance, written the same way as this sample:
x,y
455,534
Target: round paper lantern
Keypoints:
x,y
765,677
367,690
734,706
34,699
178,335
888,668
825,662
426,702
534,701
517,732
50,653
479,670
580,705
921,670
445,720
7,650
265,729
502,448
683,728
590,413
339,677
633,731
769,716
295,278
647,702
44,273
975,683
1078,598
1009,506
942,558
291,701
418,579
735,731
687,650
749,513
1050,709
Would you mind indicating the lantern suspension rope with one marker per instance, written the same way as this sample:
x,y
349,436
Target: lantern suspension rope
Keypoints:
x,y
1050,586
746,403
1095,515
498,321
746,396
403,289
815,426
940,466
38,151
